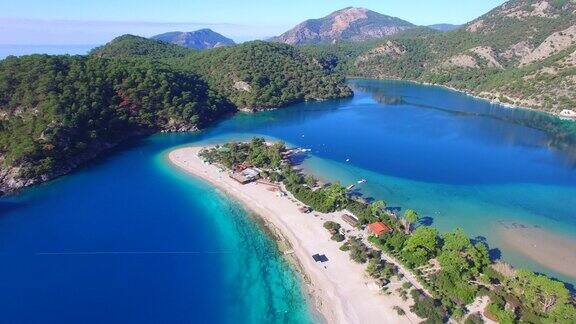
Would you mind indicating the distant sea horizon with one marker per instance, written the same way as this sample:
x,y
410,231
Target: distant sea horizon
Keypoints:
x,y
19,49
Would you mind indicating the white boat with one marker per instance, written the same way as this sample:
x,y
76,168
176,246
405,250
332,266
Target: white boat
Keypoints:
x,y
361,181
350,187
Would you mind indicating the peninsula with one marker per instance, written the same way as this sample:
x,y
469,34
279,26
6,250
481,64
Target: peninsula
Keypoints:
x,y
340,290
411,273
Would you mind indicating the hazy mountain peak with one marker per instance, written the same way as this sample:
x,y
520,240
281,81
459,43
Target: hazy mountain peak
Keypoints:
x,y
351,23
199,39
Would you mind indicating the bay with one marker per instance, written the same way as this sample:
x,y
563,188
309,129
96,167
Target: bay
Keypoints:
x,y
129,238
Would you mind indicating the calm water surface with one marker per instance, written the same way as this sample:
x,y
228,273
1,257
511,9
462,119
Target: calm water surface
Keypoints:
x,y
459,161
130,239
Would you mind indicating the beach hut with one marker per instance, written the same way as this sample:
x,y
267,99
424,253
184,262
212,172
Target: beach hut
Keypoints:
x,y
379,228
245,176
353,221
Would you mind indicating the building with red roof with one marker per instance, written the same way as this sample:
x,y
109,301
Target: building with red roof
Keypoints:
x,y
379,228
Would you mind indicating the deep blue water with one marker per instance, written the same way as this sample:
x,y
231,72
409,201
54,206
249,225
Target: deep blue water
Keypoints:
x,y
460,161
129,239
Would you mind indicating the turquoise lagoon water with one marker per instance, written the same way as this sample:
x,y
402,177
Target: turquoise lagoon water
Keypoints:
x,y
459,161
129,238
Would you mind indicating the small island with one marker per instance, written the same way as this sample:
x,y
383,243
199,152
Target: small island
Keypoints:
x,y
366,262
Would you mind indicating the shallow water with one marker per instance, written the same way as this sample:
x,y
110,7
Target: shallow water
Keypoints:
x,y
459,161
130,239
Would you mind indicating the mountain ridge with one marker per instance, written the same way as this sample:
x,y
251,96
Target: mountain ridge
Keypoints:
x,y
59,112
199,39
521,53
351,23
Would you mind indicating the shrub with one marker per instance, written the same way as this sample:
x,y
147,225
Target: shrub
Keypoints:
x,y
338,237
503,316
399,310
428,308
330,225
475,318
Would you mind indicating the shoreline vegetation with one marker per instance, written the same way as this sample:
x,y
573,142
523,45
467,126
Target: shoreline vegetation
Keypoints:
x,y
58,111
508,55
369,277
338,288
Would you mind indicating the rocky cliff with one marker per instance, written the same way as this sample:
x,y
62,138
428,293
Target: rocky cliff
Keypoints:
x,y
356,24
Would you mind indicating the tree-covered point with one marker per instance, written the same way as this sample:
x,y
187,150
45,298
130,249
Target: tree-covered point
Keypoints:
x,y
260,75
253,75
129,46
453,268
256,152
58,109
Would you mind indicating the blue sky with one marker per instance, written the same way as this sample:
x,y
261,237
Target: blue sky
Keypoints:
x,y
97,21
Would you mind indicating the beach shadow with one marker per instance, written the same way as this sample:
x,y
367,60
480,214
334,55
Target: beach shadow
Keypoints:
x,y
426,221
369,200
479,239
298,159
494,254
355,193
394,209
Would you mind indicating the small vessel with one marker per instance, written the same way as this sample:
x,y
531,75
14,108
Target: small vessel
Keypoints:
x,y
361,181
347,160
350,187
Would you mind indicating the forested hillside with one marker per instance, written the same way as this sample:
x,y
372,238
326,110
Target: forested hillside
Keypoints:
x,y
260,75
130,46
254,75
523,53
57,112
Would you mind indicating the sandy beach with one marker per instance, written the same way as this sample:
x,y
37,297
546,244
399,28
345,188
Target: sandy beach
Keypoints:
x,y
549,249
341,290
